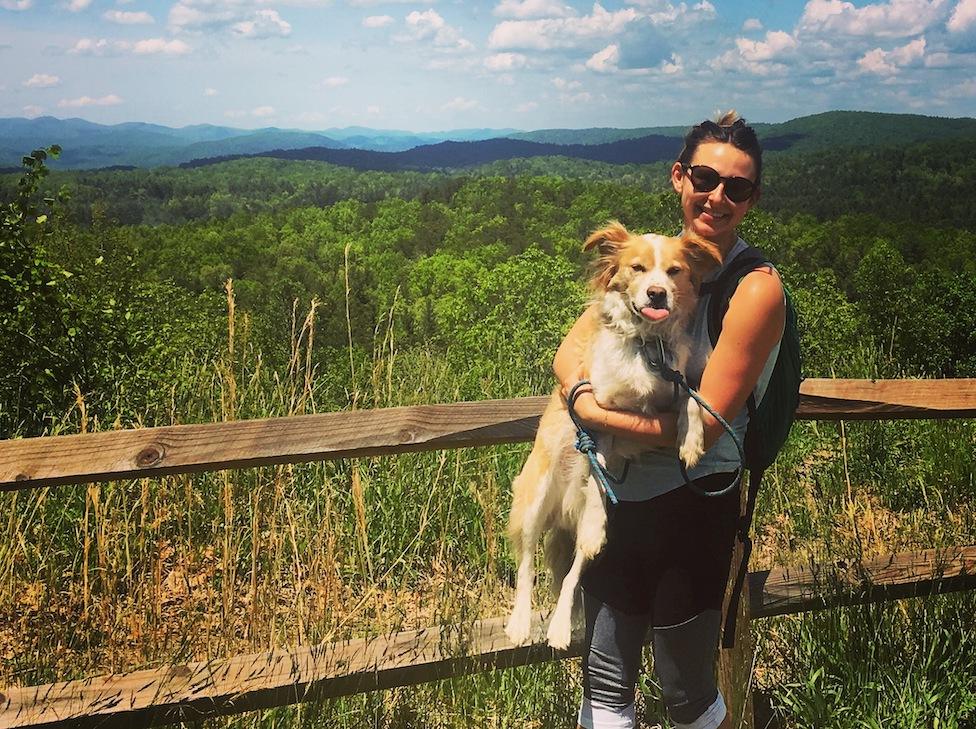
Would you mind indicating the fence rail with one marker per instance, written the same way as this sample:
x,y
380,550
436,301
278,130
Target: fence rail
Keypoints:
x,y
148,452
208,689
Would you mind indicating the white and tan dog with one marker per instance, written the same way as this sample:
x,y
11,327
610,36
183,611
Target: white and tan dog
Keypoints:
x,y
644,287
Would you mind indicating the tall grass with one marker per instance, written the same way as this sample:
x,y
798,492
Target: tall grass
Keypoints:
x,y
128,574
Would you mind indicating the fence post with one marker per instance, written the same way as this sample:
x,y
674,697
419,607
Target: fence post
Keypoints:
x,y
735,664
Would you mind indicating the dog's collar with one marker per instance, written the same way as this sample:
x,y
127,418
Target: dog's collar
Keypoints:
x,y
657,355
656,352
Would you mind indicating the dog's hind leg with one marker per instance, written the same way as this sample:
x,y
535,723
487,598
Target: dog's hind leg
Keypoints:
x,y
526,525
560,546
561,624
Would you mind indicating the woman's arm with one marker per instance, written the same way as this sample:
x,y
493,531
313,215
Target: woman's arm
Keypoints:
x,y
751,328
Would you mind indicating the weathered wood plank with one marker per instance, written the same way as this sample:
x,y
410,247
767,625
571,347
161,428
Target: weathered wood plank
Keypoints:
x,y
244,683
831,399
144,452
75,459
906,574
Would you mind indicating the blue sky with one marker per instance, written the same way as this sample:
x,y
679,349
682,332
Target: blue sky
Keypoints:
x,y
525,64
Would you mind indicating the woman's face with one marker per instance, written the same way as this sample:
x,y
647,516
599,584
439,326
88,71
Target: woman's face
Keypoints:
x,y
711,214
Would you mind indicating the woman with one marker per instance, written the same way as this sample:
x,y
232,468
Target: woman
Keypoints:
x,y
666,562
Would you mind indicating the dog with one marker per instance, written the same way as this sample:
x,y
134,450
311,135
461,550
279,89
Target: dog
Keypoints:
x,y
644,287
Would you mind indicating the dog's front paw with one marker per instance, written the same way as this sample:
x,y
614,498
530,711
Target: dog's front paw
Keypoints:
x,y
691,450
519,627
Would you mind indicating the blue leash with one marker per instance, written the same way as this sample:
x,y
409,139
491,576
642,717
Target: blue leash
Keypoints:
x,y
587,446
679,380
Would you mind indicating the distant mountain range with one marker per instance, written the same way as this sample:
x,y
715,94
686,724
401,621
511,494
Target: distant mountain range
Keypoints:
x,y
89,145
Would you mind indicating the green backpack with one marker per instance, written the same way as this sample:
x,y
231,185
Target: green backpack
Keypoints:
x,y
770,419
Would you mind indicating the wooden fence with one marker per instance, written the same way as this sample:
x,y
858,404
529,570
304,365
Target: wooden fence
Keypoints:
x,y
242,683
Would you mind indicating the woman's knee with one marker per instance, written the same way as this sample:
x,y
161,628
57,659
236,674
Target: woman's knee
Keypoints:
x,y
684,660
612,661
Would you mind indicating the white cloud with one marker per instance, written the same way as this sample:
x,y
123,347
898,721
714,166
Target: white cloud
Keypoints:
x,y
42,81
31,110
264,24
90,47
752,24
661,12
892,19
210,91
550,33
311,117
430,26
82,101
185,15
259,112
123,17
333,82
505,61
776,44
525,9
377,21
16,5
887,63
605,61
459,103
583,97
963,17
674,66
174,47
76,6
102,47
527,106
564,85
374,110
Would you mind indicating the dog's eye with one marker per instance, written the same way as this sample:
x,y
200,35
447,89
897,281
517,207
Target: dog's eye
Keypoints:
x,y
637,267
674,271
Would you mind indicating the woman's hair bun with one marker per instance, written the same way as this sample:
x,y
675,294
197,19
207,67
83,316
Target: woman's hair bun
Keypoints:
x,y
728,118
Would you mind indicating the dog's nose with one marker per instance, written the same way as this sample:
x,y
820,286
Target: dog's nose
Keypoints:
x,y
657,297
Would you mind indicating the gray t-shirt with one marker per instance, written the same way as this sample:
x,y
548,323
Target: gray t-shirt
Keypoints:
x,y
657,471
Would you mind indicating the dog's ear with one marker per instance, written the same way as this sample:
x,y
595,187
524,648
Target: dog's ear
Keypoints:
x,y
702,255
607,241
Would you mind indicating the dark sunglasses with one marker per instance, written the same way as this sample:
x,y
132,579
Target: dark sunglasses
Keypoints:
x,y
705,179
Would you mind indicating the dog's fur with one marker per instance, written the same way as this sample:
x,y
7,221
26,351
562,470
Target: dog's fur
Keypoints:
x,y
644,287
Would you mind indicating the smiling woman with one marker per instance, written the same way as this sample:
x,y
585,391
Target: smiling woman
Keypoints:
x,y
667,557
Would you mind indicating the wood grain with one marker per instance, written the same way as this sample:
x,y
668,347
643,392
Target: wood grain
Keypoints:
x,y
905,574
829,399
77,459
200,690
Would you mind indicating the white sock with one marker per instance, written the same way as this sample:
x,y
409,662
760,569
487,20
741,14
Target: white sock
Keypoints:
x,y
598,716
712,717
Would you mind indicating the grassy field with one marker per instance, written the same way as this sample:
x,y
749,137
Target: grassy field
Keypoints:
x,y
129,574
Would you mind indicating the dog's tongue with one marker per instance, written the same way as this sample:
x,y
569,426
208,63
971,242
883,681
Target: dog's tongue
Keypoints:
x,y
654,314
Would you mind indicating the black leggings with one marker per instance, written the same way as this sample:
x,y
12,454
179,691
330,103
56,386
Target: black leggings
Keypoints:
x,y
665,565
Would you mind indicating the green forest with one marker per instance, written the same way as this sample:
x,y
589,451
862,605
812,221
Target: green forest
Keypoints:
x,y
263,287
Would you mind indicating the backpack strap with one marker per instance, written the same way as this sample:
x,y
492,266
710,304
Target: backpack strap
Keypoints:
x,y
720,290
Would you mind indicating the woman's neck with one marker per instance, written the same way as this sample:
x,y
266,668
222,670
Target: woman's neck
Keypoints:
x,y
726,244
